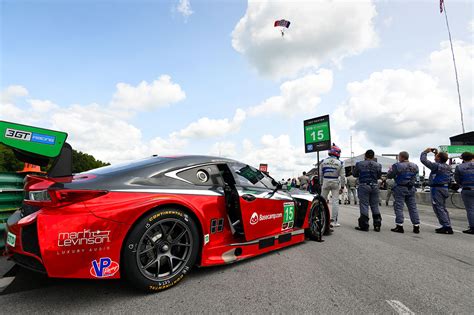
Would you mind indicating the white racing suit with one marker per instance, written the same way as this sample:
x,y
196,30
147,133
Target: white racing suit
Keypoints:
x,y
332,173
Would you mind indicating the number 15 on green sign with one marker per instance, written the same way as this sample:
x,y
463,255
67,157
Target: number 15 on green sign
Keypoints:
x,y
317,132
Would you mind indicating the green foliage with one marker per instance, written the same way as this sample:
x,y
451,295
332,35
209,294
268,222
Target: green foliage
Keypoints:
x,y
81,162
8,161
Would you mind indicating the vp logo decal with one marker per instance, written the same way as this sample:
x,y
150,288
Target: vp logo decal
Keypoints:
x,y
104,267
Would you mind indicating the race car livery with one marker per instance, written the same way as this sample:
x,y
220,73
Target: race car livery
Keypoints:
x,y
150,221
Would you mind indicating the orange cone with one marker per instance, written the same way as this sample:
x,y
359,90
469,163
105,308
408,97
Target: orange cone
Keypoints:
x,y
31,168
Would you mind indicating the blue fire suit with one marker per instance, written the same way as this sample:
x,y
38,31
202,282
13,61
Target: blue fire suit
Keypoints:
x,y
404,191
464,176
368,172
439,179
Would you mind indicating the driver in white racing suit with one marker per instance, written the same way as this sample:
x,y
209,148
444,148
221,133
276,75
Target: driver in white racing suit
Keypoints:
x,y
332,173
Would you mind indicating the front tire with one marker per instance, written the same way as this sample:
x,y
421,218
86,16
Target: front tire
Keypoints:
x,y
318,221
160,249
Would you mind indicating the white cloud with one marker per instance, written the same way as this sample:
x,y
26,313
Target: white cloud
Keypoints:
x,y
42,105
320,31
147,96
184,7
206,127
283,158
297,96
388,21
400,109
12,92
224,149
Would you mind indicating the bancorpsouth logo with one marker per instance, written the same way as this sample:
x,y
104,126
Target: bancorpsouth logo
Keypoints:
x,y
255,218
85,237
104,267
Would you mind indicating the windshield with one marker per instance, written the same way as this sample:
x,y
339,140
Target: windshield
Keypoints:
x,y
252,177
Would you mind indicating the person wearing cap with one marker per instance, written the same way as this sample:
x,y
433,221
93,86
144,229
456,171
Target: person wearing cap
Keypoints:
x,y
332,174
404,172
304,181
438,180
351,188
390,182
464,176
368,172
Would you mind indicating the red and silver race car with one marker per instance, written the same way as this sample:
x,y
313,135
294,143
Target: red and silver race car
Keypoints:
x,y
152,220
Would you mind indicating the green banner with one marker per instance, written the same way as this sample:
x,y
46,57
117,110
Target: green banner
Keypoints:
x,y
456,149
31,139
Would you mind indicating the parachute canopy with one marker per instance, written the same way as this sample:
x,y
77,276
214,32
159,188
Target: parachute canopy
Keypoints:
x,y
282,23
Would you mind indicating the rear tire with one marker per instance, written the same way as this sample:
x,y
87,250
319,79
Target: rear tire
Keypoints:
x,y
160,249
318,221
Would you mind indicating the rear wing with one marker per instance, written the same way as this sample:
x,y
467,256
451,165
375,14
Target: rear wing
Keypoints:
x,y
38,146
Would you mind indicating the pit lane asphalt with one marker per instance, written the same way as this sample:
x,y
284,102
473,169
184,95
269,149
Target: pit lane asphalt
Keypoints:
x,y
351,272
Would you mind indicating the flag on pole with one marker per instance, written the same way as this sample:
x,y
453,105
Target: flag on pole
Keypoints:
x,y
441,6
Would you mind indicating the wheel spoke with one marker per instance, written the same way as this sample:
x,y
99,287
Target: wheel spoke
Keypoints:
x,y
146,250
149,237
179,236
171,230
181,244
176,257
171,264
151,263
158,265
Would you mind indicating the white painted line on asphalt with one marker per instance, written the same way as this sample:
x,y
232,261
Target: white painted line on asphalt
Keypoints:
x,y
408,220
399,307
5,282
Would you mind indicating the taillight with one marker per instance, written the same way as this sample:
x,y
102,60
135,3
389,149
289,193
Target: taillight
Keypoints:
x,y
61,197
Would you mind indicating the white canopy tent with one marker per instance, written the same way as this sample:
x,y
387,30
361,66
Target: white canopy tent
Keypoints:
x,y
385,161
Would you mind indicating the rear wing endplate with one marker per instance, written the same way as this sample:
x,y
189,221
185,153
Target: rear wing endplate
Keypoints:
x,y
38,146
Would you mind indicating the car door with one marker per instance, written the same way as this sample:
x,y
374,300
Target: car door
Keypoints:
x,y
264,212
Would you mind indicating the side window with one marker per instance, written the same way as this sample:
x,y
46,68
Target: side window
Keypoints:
x,y
207,175
248,176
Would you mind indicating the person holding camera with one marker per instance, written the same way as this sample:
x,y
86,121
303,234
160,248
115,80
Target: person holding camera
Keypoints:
x,y
404,172
368,172
438,180
464,176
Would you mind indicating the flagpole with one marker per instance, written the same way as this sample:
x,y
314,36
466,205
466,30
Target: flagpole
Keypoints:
x,y
454,62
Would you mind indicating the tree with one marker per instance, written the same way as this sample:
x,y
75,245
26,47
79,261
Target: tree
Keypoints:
x,y
81,162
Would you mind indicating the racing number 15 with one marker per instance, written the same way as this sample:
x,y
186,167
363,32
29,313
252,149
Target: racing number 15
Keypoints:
x,y
320,135
288,213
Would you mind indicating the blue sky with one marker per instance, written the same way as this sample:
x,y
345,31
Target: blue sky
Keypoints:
x,y
76,52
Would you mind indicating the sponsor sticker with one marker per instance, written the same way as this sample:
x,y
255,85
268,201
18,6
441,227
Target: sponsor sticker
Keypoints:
x,y
11,239
85,237
206,239
288,215
29,136
255,218
104,267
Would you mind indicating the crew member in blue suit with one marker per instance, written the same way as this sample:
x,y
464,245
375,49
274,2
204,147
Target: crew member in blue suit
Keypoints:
x,y
438,180
368,172
404,172
464,176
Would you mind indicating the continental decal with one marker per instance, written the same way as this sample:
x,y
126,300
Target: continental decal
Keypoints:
x,y
156,216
